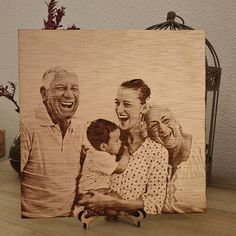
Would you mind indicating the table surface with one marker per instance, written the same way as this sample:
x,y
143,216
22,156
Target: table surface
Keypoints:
x,y
220,218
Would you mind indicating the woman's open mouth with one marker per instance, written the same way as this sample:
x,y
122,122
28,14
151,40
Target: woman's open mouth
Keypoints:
x,y
123,118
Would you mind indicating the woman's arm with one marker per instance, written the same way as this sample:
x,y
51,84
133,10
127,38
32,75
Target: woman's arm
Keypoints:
x,y
100,202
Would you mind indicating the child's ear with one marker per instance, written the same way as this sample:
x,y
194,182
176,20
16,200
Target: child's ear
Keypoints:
x,y
103,147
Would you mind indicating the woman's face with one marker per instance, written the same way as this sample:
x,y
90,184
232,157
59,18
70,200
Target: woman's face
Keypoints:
x,y
128,108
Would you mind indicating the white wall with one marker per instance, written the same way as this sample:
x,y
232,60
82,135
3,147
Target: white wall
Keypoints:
x,y
216,17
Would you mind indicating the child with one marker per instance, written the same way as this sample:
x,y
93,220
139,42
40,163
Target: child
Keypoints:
x,y
101,163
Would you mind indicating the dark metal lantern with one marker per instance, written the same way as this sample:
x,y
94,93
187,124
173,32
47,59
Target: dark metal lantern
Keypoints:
x,y
213,75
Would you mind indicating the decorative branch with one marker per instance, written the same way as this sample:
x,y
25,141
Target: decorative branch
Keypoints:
x,y
55,16
60,14
50,23
73,27
9,92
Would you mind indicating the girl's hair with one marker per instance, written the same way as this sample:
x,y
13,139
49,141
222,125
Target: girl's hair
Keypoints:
x,y
140,86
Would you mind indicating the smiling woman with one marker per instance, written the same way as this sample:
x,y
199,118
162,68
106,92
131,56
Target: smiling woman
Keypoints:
x,y
143,183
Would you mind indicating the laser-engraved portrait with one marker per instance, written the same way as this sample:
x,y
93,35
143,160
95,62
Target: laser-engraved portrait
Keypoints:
x,y
112,122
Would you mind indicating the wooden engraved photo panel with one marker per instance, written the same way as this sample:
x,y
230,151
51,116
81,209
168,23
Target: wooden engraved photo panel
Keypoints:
x,y
112,122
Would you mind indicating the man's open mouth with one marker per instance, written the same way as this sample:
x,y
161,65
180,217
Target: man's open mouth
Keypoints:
x,y
67,104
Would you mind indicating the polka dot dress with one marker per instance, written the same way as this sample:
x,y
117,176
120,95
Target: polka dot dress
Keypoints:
x,y
145,177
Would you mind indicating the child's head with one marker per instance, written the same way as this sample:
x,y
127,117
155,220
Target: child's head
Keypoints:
x,y
104,135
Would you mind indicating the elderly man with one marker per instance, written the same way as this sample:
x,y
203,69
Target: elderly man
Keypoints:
x,y
50,148
186,180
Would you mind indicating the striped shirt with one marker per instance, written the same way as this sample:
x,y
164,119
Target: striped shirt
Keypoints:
x,y
50,165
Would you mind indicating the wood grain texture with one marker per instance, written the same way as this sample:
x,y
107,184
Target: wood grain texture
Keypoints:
x,y
171,63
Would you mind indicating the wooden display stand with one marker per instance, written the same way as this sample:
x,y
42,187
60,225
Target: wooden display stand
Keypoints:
x,y
136,218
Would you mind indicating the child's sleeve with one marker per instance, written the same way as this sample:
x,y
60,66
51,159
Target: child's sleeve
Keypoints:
x,y
104,163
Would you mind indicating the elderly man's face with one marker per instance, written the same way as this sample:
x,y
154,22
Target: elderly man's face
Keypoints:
x,y
163,127
62,97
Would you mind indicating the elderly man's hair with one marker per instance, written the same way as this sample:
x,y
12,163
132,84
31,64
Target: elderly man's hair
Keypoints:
x,y
54,73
